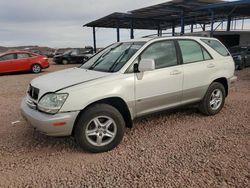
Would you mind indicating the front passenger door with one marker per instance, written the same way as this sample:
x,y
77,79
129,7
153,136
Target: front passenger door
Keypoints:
x,y
6,63
160,88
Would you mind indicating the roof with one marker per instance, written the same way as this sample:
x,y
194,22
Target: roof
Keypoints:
x,y
15,51
166,37
166,14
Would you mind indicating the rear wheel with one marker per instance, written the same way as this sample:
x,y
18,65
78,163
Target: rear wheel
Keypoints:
x,y
100,128
65,62
214,99
36,68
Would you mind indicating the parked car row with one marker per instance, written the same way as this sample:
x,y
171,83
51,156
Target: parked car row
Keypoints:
x,y
241,56
34,61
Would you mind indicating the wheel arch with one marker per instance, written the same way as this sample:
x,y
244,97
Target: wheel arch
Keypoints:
x,y
117,103
224,82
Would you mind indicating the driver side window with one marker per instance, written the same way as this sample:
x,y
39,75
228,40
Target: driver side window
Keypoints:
x,y
163,52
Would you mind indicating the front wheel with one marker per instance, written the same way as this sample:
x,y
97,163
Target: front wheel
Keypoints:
x,y
100,128
36,68
214,99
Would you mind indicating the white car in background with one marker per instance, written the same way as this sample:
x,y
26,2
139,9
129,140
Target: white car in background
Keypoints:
x,y
126,80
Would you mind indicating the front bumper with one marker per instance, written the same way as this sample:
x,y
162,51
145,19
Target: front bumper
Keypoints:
x,y
46,66
60,124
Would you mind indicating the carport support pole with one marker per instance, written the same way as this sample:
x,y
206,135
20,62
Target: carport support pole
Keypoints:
x,y
182,24
229,19
242,26
235,24
131,29
159,32
173,29
94,39
204,27
212,24
118,32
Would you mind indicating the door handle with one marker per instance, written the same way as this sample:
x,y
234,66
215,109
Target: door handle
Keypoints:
x,y
211,65
175,72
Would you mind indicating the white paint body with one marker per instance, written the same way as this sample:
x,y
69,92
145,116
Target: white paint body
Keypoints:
x,y
143,93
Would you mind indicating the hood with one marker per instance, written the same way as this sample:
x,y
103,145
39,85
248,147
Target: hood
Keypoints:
x,y
66,78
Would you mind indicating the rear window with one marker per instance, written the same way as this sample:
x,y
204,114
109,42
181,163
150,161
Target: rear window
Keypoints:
x,y
217,46
22,56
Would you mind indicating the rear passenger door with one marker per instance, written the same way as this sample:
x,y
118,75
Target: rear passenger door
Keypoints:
x,y
197,66
23,61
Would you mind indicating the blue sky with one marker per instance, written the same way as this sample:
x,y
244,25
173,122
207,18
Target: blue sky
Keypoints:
x,y
58,23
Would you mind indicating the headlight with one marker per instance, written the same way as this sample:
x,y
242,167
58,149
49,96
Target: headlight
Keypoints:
x,y
52,102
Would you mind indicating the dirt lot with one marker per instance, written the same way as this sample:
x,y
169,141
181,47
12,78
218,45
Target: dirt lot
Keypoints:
x,y
181,148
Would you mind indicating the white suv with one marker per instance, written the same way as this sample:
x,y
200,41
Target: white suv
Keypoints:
x,y
95,102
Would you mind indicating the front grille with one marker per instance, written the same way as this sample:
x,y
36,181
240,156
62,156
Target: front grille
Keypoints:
x,y
33,92
31,103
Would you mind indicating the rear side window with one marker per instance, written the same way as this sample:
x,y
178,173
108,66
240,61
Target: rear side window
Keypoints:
x,y
8,57
21,56
163,52
217,46
192,51
206,54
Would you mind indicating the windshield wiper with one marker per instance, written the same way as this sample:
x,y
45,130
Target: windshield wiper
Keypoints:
x,y
102,56
116,62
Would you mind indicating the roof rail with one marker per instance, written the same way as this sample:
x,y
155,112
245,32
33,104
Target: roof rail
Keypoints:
x,y
163,34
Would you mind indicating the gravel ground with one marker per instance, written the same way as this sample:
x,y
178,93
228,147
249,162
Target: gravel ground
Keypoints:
x,y
180,148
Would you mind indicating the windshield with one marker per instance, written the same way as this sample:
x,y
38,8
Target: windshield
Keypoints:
x,y
67,52
237,49
114,57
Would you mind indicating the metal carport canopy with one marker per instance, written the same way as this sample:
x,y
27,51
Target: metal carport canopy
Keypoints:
x,y
174,14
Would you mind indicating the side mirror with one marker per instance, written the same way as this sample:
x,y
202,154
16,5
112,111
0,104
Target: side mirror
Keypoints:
x,y
146,65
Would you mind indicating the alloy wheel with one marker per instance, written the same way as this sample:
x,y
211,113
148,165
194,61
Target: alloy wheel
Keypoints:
x,y
216,99
36,68
101,130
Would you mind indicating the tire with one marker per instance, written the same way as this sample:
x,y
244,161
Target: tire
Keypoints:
x,y
36,68
65,62
91,126
213,100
